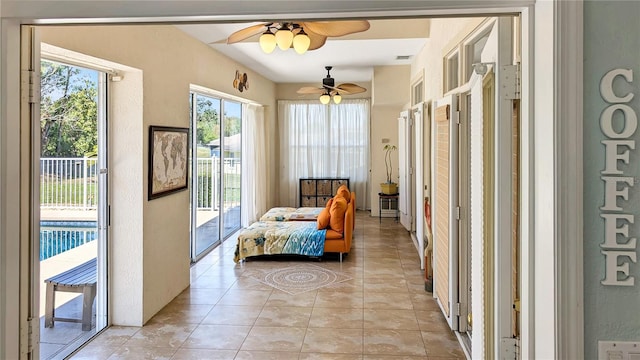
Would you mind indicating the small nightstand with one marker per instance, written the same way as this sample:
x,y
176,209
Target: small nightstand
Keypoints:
x,y
391,202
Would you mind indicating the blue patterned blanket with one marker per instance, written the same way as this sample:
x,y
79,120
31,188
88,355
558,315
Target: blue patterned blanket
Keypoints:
x,y
280,237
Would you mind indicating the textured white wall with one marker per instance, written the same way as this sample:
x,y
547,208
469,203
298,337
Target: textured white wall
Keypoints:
x,y
127,183
390,96
391,85
384,125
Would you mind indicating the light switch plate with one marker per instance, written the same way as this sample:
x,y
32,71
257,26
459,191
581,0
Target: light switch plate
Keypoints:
x,y
618,350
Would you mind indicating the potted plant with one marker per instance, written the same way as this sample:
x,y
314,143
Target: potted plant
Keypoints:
x,y
389,187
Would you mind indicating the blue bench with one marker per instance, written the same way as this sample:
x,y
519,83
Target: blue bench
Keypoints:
x,y
80,279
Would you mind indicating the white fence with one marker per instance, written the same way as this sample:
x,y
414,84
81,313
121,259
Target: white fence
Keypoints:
x,y
208,185
69,183
72,183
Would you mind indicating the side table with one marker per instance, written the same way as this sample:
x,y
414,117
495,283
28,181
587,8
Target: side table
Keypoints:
x,y
391,202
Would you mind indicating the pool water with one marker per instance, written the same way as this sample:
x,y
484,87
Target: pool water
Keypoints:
x,y
57,237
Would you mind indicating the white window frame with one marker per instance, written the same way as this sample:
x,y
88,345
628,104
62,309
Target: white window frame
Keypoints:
x,y
451,77
417,89
468,44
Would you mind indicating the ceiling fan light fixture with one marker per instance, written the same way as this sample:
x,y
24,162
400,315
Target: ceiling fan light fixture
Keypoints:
x,y
268,41
325,98
301,42
318,32
337,98
284,38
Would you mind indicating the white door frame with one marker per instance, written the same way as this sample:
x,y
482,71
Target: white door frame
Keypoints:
x,y
566,237
102,219
417,210
30,170
102,294
404,167
557,163
502,194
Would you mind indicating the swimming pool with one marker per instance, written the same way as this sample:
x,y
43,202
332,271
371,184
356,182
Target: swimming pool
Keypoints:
x,y
57,237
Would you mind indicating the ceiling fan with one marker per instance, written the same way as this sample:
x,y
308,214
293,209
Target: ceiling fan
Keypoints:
x,y
329,89
302,35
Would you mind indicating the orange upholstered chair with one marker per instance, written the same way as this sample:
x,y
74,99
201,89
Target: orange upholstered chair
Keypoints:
x,y
341,242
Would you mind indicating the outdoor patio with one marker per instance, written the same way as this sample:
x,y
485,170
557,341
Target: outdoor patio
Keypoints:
x,y
54,341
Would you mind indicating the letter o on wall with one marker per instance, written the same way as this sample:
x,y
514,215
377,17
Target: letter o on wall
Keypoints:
x,y
630,123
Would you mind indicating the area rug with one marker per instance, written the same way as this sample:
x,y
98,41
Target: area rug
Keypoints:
x,y
300,278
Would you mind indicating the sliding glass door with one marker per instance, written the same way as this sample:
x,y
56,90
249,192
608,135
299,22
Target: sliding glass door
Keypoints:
x,y
73,207
215,167
232,166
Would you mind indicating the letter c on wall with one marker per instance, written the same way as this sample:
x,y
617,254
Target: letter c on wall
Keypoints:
x,y
606,86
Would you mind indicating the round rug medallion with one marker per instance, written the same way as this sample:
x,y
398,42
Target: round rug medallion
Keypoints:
x,y
297,279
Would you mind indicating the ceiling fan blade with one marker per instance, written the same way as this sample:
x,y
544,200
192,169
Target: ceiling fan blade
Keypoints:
x,y
336,28
310,90
317,40
247,33
351,88
335,90
219,41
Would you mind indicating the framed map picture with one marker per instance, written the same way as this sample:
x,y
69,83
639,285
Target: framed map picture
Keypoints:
x,y
168,160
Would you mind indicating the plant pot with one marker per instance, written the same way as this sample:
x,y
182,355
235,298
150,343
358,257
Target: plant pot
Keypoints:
x,y
389,188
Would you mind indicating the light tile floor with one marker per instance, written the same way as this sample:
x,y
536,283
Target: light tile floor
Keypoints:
x,y
382,313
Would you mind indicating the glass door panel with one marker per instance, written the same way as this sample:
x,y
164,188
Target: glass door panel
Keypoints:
x,y
215,189
232,166
73,203
205,189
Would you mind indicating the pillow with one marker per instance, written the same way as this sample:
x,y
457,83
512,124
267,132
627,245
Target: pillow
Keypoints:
x,y
343,191
338,208
323,219
329,202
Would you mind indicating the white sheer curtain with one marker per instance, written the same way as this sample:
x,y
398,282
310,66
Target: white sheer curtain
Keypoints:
x,y
324,141
254,164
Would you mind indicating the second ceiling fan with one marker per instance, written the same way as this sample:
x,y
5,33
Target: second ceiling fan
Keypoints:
x,y
329,90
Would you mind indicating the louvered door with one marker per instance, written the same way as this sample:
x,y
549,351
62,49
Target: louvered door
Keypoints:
x,y
444,211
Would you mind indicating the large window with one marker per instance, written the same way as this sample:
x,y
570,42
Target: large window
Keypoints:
x,y
324,141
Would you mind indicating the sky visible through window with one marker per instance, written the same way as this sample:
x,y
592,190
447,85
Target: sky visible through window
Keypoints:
x,y
76,79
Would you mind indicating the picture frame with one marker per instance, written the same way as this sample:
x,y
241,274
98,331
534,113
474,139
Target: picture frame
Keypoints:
x,y
168,160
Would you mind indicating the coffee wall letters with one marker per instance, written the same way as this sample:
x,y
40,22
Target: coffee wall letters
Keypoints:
x,y
619,247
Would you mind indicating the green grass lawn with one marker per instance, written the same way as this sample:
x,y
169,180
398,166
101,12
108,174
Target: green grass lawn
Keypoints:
x,y
69,192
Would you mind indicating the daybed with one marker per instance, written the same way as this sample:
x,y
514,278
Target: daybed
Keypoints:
x,y
298,237
301,213
291,214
